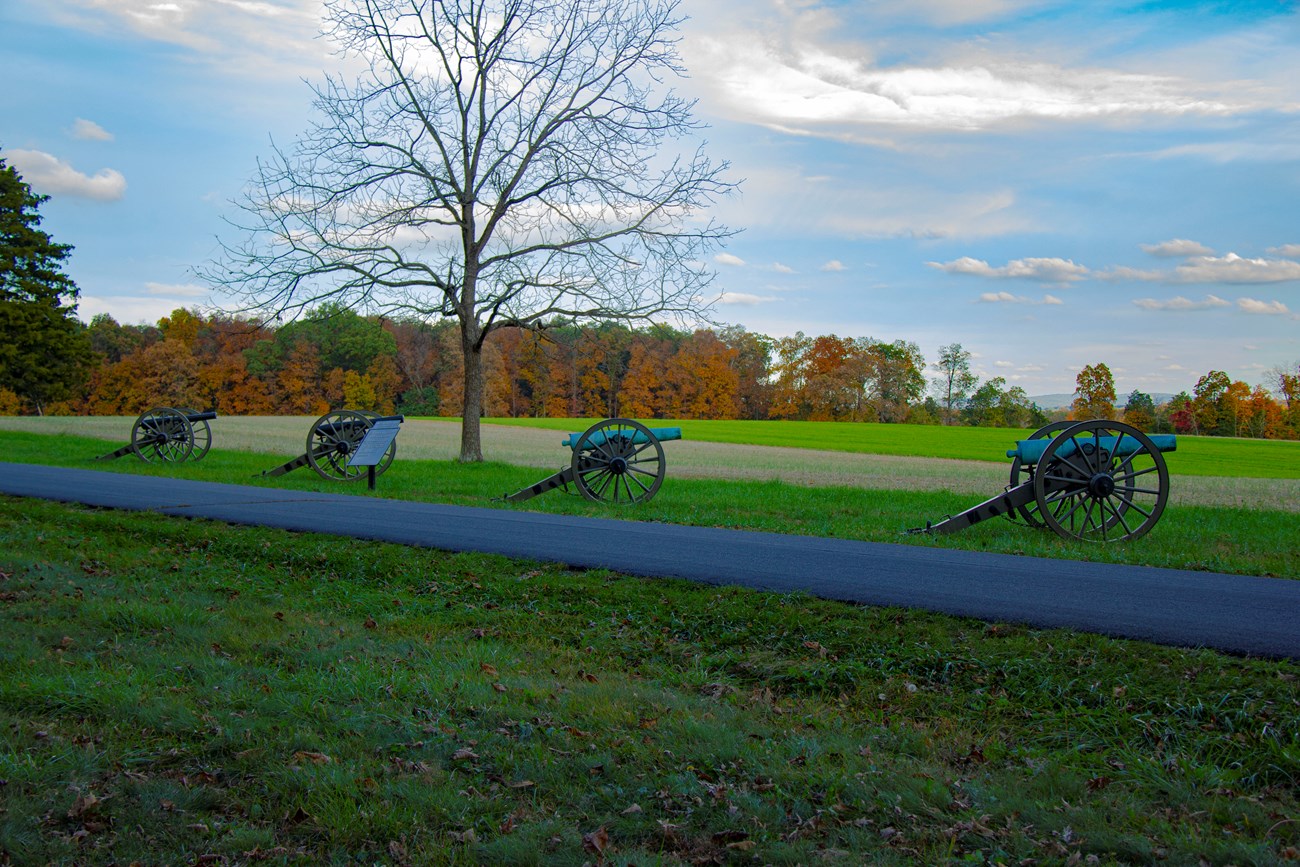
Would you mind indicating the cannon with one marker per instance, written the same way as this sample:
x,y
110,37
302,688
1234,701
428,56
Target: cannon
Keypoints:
x,y
1095,481
616,461
331,441
168,435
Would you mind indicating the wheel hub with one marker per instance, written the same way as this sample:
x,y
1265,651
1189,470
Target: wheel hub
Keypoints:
x,y
1101,485
618,466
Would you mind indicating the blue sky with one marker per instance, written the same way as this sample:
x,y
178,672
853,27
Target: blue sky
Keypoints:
x,y
1049,184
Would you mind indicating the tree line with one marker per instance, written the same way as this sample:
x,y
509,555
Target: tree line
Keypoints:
x,y
337,358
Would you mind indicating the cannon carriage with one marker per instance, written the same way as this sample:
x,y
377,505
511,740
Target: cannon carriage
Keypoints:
x,y
616,461
167,434
1094,481
332,441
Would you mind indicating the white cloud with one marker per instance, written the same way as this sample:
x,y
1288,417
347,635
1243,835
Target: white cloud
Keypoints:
x,y
1178,247
1290,251
1234,269
834,265
126,309
744,299
177,290
1265,308
1179,303
782,269
728,259
88,130
50,175
1048,270
799,81
1008,298
267,39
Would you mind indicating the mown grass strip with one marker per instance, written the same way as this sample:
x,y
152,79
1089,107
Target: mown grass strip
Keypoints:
x,y
1196,456
1250,542
180,691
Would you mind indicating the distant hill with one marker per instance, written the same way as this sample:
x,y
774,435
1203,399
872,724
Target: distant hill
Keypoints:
x,y
1064,401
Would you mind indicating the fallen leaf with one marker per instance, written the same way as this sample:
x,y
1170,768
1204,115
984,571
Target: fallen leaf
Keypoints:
x,y
499,687
370,623
84,805
314,758
464,754
488,667
597,841
632,810
522,784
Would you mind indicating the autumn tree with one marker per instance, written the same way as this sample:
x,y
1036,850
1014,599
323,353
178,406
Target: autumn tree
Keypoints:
x,y
753,365
1214,415
704,383
893,377
113,342
955,379
44,349
1286,385
1094,393
1140,410
501,163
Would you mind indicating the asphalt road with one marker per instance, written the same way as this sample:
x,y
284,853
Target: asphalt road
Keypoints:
x,y
1233,613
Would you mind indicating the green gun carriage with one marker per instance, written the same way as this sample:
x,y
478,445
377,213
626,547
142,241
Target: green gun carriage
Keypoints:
x,y
617,461
166,434
1095,481
331,442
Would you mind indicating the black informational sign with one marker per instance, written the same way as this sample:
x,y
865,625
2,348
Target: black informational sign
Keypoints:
x,y
375,444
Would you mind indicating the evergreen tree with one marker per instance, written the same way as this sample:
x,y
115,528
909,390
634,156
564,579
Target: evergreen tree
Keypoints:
x,y
44,350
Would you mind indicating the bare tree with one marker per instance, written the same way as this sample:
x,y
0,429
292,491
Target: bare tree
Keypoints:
x,y
499,163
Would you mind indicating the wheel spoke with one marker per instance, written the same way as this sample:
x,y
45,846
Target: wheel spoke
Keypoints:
x,y
1135,474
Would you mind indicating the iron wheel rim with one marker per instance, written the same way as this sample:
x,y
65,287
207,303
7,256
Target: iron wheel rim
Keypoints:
x,y
1123,508
611,466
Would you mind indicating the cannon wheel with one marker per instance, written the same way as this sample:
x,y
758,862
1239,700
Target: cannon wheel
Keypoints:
x,y
609,467
1084,492
332,440
202,434
162,434
1022,472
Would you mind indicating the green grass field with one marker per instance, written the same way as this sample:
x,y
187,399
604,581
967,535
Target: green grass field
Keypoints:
x,y
183,692
1196,456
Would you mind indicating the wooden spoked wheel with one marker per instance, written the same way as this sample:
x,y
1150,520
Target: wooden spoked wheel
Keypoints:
x,y
618,461
331,442
162,435
1101,481
202,433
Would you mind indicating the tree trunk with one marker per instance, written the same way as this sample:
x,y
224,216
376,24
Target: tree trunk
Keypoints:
x,y
471,444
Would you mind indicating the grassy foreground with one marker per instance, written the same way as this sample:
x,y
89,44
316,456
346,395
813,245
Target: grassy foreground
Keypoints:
x,y
1243,541
1196,456
185,692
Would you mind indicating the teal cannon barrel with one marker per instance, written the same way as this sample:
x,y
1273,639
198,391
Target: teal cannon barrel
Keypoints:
x,y
1031,451
1094,481
616,461
598,439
